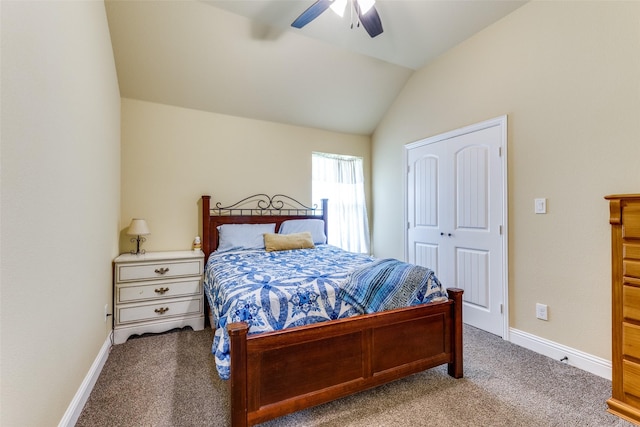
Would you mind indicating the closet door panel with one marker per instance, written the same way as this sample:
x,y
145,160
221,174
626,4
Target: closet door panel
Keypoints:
x,y
472,181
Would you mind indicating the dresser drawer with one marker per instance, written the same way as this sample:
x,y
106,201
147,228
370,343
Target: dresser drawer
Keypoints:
x,y
631,220
631,302
159,310
631,340
133,272
630,251
631,378
158,290
631,268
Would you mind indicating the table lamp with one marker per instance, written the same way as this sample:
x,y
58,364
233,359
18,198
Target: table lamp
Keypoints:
x,y
138,228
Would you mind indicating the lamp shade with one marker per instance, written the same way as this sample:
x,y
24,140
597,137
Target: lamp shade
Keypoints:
x,y
138,227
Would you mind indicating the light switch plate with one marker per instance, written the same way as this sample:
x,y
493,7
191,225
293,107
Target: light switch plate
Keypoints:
x,y
540,206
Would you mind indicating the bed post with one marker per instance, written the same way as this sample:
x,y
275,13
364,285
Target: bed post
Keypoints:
x,y
238,379
325,216
206,226
455,367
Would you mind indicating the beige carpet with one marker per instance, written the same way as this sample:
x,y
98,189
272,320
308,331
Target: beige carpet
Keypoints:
x,y
170,380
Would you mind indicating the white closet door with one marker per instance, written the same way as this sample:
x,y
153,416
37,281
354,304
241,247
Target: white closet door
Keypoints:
x,y
455,218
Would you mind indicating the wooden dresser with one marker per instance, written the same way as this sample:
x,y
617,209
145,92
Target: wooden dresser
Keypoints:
x,y
624,217
156,292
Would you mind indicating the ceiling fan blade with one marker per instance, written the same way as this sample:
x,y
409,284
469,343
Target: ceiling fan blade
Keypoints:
x,y
370,20
311,13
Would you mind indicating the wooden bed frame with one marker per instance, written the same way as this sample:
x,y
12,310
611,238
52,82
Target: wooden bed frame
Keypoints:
x,y
276,373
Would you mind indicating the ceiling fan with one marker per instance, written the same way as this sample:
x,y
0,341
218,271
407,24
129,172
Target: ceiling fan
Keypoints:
x,y
367,15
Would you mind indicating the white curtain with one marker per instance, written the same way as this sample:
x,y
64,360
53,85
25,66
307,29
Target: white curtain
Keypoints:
x,y
341,180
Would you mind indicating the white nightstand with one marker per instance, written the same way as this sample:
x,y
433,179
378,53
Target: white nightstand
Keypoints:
x,y
156,292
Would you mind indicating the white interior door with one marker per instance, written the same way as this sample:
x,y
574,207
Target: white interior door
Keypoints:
x,y
456,217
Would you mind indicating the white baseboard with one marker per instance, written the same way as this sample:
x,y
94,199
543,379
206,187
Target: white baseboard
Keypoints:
x,y
587,362
74,410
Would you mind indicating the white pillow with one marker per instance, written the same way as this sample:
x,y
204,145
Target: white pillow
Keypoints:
x,y
243,236
314,226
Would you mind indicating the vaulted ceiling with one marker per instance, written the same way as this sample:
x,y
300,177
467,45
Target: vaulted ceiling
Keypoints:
x,y
243,58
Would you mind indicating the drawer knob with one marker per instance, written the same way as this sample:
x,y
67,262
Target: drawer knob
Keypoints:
x,y
161,310
162,270
161,291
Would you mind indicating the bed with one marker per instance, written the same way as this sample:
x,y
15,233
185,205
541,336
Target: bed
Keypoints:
x,y
271,374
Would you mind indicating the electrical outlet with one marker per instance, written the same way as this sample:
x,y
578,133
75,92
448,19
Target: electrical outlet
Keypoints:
x,y
541,311
106,312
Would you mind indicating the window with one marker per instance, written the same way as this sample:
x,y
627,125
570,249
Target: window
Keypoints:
x,y
341,180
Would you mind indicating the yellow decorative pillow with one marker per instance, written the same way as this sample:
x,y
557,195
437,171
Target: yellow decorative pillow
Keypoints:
x,y
285,242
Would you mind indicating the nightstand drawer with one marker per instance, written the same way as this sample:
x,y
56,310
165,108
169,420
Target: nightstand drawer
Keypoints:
x,y
157,290
159,310
130,273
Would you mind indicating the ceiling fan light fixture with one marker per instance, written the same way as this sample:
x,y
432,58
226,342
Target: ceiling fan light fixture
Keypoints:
x,y
339,6
365,5
362,12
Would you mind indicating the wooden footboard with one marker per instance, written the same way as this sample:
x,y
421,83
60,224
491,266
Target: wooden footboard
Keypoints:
x,y
276,373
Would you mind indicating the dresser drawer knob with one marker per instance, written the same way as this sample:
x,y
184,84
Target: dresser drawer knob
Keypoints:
x,y
161,310
161,291
162,270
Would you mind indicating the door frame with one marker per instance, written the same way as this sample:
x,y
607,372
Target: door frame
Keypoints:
x,y
500,121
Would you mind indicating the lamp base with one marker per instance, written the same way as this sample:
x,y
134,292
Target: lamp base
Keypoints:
x,y
138,240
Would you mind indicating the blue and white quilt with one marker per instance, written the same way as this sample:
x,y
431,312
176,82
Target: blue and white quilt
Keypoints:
x,y
277,290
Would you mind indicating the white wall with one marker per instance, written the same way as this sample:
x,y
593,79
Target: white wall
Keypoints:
x,y
60,183
171,156
567,74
